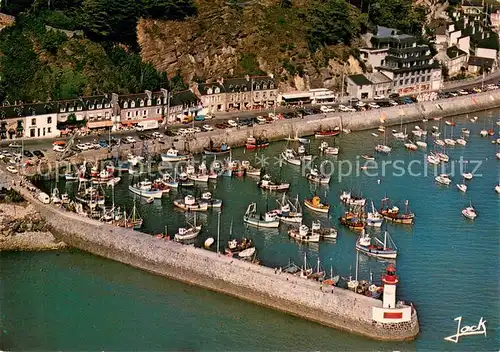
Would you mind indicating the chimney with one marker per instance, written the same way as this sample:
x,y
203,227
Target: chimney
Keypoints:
x,y
148,93
271,75
247,77
220,81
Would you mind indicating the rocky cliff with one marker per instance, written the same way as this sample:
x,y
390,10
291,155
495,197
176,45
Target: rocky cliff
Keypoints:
x,y
227,39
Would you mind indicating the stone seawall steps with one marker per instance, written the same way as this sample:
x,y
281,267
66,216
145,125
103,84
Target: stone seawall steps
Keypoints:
x,y
341,309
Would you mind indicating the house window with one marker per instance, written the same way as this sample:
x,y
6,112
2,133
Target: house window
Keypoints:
x,y
141,102
91,106
49,120
271,86
264,86
158,111
128,113
106,105
62,109
33,122
71,108
132,104
125,105
412,80
137,113
49,130
149,102
79,107
144,113
417,79
217,90
257,87
32,133
209,91
99,106
106,115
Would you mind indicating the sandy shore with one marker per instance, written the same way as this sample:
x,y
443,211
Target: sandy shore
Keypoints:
x,y
22,229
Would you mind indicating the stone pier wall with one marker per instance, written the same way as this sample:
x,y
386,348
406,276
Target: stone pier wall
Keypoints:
x,y
341,309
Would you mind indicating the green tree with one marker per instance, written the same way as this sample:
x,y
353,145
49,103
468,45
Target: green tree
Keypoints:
x,y
399,14
168,9
332,22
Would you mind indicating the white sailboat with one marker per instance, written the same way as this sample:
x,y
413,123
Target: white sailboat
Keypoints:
x,y
188,233
469,212
386,249
353,284
443,179
374,218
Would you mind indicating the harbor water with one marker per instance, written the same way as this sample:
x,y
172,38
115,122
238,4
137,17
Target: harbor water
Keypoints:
x,y
448,265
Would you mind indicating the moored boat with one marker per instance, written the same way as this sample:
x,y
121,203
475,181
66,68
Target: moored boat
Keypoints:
x,y
190,203
252,218
393,214
268,184
303,234
469,212
147,193
234,246
174,155
254,143
381,148
321,132
352,200
316,176
315,204
367,157
462,187
386,249
352,221
443,179
289,156
188,233
212,203
288,212
216,150
374,218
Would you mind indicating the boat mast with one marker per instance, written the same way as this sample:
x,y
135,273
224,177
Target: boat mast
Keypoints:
x,y
357,265
385,240
218,231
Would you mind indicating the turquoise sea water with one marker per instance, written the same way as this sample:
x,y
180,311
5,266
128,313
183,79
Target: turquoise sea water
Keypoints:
x,y
448,266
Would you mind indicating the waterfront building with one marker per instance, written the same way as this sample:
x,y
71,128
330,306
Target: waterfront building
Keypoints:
x,y
147,106
28,120
454,59
321,96
91,112
366,86
238,94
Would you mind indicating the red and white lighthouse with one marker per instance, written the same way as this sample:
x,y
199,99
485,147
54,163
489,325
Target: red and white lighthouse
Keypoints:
x,y
390,281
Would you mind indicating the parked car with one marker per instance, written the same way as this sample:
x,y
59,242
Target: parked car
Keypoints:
x,y
232,123
38,153
491,86
374,105
207,128
327,109
476,90
11,169
453,94
15,145
170,133
156,135
130,139
379,97
393,103
58,148
82,147
393,96
463,92
28,154
199,118
209,116
360,104
261,120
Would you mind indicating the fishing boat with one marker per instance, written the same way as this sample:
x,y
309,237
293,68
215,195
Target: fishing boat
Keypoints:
x,y
474,119
469,212
443,179
315,204
133,160
249,169
450,123
184,181
381,148
297,139
353,221
449,141
483,133
352,200
393,214
268,184
287,211
216,150
70,177
55,197
235,247
422,144
252,218
188,233
190,203
254,143
443,157
289,156
462,187
465,131
134,221
212,203
303,234
461,141
301,151
321,132
410,145
439,142
374,218
325,233
333,280
317,177
368,157
174,155
324,148
146,193
386,249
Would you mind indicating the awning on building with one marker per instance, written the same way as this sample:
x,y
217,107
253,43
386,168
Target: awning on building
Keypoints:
x,y
130,122
100,124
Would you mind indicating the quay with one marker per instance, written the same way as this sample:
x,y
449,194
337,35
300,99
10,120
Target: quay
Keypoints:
x,y
280,129
334,307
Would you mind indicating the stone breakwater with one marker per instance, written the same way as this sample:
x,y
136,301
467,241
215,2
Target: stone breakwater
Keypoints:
x,y
338,308
22,229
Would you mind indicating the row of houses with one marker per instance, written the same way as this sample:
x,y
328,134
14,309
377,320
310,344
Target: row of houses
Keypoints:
x,y
398,64
113,111
105,111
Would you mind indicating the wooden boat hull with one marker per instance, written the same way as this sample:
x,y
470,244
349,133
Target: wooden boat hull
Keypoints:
x,y
321,134
191,234
379,253
208,151
146,194
261,223
400,220
309,237
256,146
357,226
323,209
200,206
174,158
318,179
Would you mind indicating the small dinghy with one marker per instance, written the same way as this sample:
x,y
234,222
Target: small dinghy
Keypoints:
x,y
246,253
209,242
469,212
467,175
316,177
374,135
443,179
367,157
190,203
150,200
422,144
462,187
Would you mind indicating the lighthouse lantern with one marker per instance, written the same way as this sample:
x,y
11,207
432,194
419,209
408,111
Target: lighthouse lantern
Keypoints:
x,y
390,281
